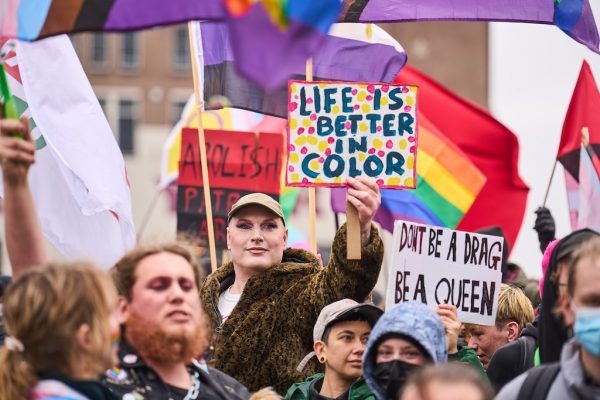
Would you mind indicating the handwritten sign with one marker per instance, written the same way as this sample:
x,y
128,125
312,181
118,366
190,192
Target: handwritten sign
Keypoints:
x,y
337,130
436,265
239,163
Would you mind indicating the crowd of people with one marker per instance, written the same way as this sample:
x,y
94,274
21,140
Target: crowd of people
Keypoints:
x,y
274,322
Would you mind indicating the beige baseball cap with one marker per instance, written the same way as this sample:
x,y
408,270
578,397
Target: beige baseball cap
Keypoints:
x,y
260,199
342,309
335,312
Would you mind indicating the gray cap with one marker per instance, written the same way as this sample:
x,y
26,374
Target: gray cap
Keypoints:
x,y
259,199
335,312
342,309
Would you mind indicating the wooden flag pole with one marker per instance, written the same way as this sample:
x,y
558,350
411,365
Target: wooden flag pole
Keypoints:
x,y
199,97
585,136
549,184
312,202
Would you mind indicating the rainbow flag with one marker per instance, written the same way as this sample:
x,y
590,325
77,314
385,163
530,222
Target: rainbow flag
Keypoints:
x,y
574,17
293,29
447,185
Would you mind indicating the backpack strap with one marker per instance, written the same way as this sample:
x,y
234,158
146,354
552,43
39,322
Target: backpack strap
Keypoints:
x,y
527,347
538,381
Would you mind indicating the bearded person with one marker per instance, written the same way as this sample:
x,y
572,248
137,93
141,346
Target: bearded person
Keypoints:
x,y
164,330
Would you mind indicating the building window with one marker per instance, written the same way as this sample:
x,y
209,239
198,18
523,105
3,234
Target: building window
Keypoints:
x,y
75,41
98,50
182,49
127,122
129,50
176,110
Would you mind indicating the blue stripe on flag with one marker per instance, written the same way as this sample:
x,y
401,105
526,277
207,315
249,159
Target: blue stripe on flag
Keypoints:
x,y
31,16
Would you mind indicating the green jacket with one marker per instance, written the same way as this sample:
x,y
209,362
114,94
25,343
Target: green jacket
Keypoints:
x,y
468,356
300,391
270,330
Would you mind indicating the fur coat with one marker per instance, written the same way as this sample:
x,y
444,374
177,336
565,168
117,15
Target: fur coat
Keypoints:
x,y
270,329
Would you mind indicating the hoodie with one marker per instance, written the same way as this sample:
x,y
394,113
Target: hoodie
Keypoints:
x,y
414,320
570,383
552,331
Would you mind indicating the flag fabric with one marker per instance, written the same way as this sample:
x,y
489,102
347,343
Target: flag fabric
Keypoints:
x,y
583,112
572,199
268,52
492,147
447,185
349,53
574,17
588,215
293,29
79,181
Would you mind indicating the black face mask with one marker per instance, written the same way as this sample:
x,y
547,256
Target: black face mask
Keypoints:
x,y
392,375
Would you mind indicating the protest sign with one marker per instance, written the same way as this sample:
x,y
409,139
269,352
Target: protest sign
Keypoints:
x,y
436,265
339,129
239,163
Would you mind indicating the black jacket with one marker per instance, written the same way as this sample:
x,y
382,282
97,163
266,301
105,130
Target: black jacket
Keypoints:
x,y
552,330
134,377
514,358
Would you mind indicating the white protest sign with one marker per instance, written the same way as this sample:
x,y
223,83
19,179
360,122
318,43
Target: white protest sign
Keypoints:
x,y
436,265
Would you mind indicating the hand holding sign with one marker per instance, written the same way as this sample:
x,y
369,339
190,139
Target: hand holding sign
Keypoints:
x,y
363,193
449,316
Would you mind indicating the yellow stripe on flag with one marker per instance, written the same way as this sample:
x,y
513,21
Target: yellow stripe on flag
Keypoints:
x,y
451,158
443,182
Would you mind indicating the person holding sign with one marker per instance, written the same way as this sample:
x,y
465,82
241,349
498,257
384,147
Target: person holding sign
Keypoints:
x,y
264,303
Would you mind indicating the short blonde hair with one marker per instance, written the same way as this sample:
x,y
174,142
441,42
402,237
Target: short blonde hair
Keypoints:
x,y
43,309
513,305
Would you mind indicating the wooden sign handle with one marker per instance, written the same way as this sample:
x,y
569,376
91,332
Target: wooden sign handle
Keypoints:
x,y
353,233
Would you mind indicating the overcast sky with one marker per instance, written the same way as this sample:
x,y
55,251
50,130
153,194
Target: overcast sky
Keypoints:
x,y
533,70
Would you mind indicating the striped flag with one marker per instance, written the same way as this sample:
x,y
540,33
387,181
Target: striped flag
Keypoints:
x,y
293,29
447,185
588,215
351,52
490,146
582,115
574,17
79,182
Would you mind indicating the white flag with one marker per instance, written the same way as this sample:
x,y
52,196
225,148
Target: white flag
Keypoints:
x,y
79,181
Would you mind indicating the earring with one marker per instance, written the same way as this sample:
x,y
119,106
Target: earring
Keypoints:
x,y
322,360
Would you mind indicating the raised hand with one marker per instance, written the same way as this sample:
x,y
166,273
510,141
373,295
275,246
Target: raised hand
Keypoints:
x,y
364,194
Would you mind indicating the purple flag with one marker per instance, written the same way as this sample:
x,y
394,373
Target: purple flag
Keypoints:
x,y
345,55
574,17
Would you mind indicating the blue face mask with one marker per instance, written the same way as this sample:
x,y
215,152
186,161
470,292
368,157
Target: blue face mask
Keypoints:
x,y
587,328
